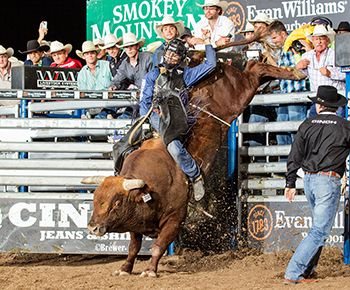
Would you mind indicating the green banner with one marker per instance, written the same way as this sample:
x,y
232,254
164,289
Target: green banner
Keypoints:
x,y
139,17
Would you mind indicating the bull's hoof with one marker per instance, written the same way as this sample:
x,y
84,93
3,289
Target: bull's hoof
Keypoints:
x,y
120,273
151,274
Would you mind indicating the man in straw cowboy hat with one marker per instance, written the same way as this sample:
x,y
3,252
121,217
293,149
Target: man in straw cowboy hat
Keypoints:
x,y
5,67
165,92
59,54
214,26
319,63
115,55
320,148
95,75
135,66
35,52
168,29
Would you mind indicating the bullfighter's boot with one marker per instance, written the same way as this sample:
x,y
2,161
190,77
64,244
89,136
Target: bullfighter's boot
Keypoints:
x,y
198,188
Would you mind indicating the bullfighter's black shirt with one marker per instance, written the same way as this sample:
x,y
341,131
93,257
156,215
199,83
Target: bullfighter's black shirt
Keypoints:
x,y
322,143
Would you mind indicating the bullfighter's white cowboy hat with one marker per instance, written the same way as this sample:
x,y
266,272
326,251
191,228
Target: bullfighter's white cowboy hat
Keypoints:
x,y
130,39
207,3
168,20
86,47
321,30
58,46
262,18
111,40
248,28
9,51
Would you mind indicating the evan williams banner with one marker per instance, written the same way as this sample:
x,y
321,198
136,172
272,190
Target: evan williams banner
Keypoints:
x,y
275,224
140,16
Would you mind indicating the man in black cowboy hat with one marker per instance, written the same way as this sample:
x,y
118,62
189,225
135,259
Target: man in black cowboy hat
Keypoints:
x,y
343,27
35,52
321,147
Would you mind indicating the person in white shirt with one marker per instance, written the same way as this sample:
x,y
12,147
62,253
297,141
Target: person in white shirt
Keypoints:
x,y
218,28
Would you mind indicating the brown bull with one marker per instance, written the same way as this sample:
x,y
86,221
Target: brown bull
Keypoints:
x,y
225,94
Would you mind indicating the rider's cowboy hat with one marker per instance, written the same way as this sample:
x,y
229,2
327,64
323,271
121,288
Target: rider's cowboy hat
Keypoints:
x,y
328,96
168,20
321,30
207,3
9,51
248,28
261,18
58,46
87,46
111,40
34,45
130,39
343,26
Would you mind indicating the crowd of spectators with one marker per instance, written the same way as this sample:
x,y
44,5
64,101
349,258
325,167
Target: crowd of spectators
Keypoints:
x,y
121,63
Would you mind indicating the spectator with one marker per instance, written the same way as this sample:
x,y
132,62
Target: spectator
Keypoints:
x,y
248,33
319,63
343,27
135,66
214,26
36,55
115,55
59,54
278,34
168,29
95,75
102,53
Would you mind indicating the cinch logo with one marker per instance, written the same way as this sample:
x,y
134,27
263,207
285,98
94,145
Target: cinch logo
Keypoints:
x,y
260,222
236,13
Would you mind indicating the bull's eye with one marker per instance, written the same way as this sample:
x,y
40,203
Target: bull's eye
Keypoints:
x,y
117,203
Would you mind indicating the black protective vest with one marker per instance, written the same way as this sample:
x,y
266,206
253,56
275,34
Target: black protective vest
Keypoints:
x,y
170,95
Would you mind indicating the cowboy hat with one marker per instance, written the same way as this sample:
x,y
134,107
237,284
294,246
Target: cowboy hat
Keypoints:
x,y
58,46
262,18
86,47
321,30
111,40
328,96
9,51
168,20
207,3
153,46
130,39
343,26
98,42
248,28
34,45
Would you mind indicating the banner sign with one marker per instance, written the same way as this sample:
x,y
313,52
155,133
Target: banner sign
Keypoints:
x,y
274,224
141,16
56,223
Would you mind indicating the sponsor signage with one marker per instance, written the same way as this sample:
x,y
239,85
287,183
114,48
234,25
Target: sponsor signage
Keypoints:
x,y
141,16
44,78
274,224
57,223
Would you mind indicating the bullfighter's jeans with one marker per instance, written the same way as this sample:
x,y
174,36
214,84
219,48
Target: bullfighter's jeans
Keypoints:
x,y
179,153
323,195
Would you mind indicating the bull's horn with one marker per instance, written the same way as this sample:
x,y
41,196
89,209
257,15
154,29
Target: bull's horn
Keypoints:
x,y
93,180
129,184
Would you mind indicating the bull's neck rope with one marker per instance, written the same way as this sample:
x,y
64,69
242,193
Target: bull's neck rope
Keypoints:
x,y
210,114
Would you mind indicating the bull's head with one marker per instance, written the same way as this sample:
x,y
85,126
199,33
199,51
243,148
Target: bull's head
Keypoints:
x,y
108,198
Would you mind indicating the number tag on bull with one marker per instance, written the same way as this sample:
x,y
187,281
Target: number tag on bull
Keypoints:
x,y
146,197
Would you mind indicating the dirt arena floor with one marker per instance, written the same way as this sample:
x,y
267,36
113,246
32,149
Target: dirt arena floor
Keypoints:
x,y
188,270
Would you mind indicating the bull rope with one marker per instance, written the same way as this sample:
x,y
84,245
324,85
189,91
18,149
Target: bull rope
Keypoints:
x,y
210,114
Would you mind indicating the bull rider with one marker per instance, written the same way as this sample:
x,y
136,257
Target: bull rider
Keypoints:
x,y
165,89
